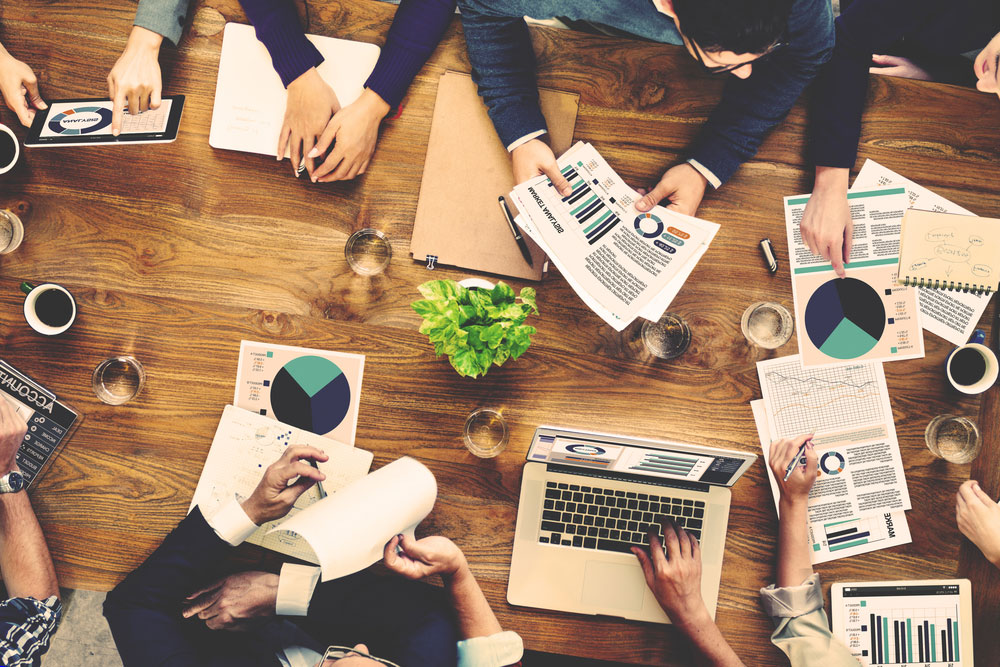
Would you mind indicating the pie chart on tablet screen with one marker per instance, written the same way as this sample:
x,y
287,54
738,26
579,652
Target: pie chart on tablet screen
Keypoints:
x,y
310,393
845,318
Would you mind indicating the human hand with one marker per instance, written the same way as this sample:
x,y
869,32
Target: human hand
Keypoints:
x,y
232,601
274,496
355,131
135,78
826,223
978,517
796,489
417,559
12,430
19,88
683,185
675,579
898,66
311,103
534,158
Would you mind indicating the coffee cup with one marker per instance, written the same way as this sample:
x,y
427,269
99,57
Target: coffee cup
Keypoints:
x,y
10,149
49,309
972,368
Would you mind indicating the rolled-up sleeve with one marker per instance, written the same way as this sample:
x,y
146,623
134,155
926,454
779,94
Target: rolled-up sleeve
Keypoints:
x,y
801,627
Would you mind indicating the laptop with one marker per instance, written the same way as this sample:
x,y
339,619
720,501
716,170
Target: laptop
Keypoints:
x,y
586,498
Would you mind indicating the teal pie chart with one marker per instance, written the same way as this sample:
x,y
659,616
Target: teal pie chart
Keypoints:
x,y
845,318
311,393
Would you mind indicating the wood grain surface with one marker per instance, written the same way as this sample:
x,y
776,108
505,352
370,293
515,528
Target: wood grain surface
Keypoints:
x,y
177,252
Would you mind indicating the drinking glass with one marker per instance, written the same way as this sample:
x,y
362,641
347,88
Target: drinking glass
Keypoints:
x,y
953,438
667,338
118,380
368,252
486,433
11,231
768,325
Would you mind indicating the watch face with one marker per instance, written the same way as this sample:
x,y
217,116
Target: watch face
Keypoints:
x,y
15,480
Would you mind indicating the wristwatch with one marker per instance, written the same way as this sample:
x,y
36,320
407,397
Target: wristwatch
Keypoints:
x,y
12,482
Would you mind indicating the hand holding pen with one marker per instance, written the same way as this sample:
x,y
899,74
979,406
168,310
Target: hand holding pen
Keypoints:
x,y
794,463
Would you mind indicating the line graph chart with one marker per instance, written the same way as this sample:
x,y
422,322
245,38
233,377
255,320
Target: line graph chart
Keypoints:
x,y
821,399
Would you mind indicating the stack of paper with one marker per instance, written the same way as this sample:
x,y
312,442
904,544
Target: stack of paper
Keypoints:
x,y
622,262
858,502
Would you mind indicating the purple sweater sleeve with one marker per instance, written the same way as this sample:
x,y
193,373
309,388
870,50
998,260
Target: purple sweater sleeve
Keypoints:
x,y
415,32
278,28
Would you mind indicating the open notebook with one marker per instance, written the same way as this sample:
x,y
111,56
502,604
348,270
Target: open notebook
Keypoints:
x,y
949,251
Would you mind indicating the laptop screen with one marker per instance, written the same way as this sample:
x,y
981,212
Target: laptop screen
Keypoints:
x,y
599,454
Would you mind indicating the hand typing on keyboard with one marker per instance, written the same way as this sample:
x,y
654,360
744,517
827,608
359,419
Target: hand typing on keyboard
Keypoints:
x,y
673,572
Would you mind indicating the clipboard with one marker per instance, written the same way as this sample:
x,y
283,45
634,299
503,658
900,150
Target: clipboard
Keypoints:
x,y
458,222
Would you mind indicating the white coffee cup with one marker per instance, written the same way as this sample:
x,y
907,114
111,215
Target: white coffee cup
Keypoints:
x,y
35,322
4,168
989,357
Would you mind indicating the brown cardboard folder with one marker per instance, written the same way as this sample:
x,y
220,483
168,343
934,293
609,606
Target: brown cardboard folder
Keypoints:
x,y
467,168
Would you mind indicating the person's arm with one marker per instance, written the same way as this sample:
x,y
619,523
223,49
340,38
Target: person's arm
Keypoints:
x,y
19,88
25,563
795,605
415,32
485,645
144,611
675,579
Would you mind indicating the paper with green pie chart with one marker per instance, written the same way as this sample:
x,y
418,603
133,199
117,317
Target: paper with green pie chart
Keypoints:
x,y
315,390
866,316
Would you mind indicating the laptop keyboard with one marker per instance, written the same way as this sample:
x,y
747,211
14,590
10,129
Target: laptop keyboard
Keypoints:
x,y
595,518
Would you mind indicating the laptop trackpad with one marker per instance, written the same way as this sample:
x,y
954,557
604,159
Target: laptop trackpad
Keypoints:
x,y
613,585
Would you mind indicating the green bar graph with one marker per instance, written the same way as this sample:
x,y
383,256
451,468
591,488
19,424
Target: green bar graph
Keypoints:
x,y
955,639
909,640
933,644
885,636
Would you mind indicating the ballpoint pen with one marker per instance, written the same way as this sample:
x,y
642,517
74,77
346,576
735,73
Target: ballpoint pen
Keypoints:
x,y
516,232
795,461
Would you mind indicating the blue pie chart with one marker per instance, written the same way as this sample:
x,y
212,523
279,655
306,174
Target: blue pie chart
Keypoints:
x,y
845,318
311,393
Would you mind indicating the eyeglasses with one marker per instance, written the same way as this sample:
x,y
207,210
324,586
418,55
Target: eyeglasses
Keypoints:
x,y
722,69
338,652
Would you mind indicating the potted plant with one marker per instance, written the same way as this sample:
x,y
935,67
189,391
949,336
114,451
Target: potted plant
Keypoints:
x,y
477,328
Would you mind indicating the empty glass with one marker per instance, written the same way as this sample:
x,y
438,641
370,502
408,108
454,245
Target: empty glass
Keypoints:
x,y
668,337
11,231
768,325
368,252
485,433
118,380
953,438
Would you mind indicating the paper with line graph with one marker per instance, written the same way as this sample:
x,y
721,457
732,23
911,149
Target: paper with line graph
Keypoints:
x,y
847,407
622,262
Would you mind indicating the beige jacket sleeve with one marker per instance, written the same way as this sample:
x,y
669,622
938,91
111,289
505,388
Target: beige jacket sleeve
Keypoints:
x,y
801,628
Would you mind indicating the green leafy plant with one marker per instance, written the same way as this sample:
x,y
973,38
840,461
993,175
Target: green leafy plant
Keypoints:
x,y
476,328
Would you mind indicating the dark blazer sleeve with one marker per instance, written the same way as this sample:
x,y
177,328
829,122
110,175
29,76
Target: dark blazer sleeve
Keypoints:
x,y
144,610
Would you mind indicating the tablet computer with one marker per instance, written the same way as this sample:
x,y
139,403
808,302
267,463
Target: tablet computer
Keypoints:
x,y
71,122
905,622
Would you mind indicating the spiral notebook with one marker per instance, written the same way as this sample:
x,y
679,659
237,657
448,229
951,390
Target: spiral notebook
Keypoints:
x,y
949,251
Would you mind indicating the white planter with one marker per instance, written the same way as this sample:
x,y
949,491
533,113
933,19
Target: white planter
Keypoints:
x,y
469,283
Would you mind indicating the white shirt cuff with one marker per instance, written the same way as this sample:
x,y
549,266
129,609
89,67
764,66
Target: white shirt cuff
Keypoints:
x,y
231,523
503,648
704,171
525,139
296,584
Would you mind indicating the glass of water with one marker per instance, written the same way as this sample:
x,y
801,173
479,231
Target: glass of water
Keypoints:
x,y
953,438
11,231
768,325
368,252
118,380
668,337
486,433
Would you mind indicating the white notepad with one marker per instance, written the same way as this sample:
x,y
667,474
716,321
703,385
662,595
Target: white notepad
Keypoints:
x,y
250,98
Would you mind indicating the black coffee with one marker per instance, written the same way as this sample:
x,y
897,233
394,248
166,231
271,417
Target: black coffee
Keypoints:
x,y
7,149
968,366
54,308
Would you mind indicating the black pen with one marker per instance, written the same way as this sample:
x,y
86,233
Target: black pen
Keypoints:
x,y
516,232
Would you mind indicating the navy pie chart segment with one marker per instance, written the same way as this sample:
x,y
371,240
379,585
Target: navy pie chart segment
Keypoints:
x,y
311,393
845,318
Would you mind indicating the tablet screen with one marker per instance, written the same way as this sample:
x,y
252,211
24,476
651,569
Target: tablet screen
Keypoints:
x,y
94,118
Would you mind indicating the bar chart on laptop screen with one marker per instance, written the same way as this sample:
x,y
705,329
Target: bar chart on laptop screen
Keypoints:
x,y
668,463
904,629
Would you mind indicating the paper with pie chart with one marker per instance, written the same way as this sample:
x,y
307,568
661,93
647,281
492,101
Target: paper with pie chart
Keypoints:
x,y
315,390
866,316
843,519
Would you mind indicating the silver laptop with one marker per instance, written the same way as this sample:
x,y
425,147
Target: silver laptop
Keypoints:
x,y
586,498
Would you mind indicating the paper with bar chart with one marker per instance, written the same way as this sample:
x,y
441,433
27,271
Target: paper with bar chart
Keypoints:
x,y
905,622
866,316
315,390
622,262
850,510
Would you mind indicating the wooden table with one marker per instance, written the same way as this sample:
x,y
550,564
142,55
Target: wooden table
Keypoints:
x,y
177,252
